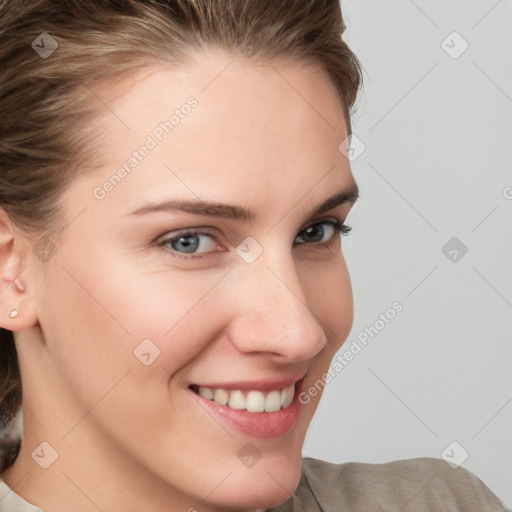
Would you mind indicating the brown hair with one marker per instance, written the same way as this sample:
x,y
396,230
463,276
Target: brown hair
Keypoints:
x,y
47,103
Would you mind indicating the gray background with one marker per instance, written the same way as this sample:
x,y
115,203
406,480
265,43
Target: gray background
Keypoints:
x,y
438,138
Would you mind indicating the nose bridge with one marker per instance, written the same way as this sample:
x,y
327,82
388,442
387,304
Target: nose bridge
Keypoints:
x,y
273,314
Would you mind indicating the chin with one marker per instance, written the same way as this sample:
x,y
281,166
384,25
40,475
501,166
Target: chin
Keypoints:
x,y
271,481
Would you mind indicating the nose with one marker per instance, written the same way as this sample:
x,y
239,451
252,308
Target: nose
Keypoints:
x,y
271,313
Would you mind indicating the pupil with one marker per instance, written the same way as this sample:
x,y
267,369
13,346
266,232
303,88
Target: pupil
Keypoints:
x,y
319,232
186,244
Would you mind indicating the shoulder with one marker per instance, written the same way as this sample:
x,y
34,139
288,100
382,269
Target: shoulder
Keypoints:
x,y
12,502
423,484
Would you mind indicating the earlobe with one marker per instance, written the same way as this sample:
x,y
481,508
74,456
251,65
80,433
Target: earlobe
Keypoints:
x,y
18,318
16,306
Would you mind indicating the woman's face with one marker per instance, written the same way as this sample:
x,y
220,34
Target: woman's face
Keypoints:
x,y
193,268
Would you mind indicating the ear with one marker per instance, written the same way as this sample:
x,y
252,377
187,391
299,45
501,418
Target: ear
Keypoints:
x,y
17,308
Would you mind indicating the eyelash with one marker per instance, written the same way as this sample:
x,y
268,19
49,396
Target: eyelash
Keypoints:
x,y
339,228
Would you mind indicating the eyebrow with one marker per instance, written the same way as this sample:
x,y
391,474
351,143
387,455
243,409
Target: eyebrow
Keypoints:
x,y
239,213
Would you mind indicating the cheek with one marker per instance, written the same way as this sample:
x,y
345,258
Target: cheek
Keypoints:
x,y
115,312
329,294
116,337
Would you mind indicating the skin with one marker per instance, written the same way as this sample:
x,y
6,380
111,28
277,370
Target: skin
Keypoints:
x,y
130,437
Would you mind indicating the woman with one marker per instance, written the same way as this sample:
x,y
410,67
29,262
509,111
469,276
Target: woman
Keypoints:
x,y
174,185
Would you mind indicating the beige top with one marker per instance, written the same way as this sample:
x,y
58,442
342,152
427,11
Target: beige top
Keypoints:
x,y
413,485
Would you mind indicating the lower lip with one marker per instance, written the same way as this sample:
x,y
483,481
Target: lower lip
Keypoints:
x,y
262,425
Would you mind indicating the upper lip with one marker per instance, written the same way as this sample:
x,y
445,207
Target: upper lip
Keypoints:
x,y
259,385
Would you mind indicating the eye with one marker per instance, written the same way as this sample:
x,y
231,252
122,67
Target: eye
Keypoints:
x,y
323,232
191,242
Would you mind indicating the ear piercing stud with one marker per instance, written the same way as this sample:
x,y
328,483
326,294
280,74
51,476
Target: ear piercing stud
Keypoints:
x,y
14,313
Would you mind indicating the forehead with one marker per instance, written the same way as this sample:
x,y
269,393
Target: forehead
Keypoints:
x,y
273,125
234,92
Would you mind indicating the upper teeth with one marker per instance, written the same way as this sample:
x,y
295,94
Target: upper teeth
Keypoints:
x,y
253,401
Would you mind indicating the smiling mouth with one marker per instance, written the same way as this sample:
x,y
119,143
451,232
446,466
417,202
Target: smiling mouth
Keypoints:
x,y
248,400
